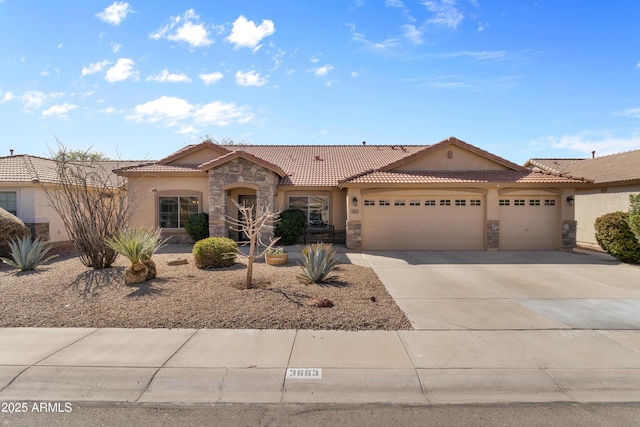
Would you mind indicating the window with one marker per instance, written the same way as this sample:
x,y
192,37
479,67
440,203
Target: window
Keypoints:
x,y
519,202
476,203
316,208
414,202
504,202
429,202
9,201
461,202
174,210
384,202
369,202
399,203
534,202
550,202
445,202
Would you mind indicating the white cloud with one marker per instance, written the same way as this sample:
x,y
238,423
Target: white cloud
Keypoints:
x,y
211,78
115,13
60,45
108,110
188,130
355,74
59,110
122,70
630,112
322,71
246,33
96,67
603,143
165,76
115,47
394,3
314,60
177,112
250,78
413,34
185,28
383,46
8,96
35,99
445,13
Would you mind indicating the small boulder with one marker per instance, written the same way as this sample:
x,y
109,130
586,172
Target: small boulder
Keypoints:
x,y
320,302
177,261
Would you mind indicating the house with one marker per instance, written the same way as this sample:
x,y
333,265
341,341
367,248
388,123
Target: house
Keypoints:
x,y
24,180
446,196
615,177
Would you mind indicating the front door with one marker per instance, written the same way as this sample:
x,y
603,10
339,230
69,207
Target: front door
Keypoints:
x,y
245,201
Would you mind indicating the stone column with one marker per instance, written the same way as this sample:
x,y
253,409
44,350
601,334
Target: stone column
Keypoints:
x,y
493,235
354,235
569,229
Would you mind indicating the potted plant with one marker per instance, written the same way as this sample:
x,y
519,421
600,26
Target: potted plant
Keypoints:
x,y
276,256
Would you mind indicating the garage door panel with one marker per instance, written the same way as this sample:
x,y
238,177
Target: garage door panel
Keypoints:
x,y
424,227
529,226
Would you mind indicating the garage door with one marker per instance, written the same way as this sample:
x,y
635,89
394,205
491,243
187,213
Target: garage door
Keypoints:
x,y
528,223
423,222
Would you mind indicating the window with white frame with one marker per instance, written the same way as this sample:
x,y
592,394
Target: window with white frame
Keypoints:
x,y
315,207
9,201
368,202
429,202
445,202
173,211
476,202
549,202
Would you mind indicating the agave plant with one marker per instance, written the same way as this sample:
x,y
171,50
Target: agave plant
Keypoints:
x,y
28,254
318,261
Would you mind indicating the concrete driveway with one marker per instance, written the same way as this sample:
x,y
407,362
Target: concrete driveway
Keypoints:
x,y
510,290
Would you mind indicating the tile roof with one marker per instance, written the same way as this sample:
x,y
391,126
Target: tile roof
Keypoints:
x,y
242,154
308,165
449,177
160,168
31,169
615,168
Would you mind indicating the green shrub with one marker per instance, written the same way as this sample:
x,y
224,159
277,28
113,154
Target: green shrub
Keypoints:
x,y
616,238
290,226
28,254
318,260
197,226
634,215
215,252
11,228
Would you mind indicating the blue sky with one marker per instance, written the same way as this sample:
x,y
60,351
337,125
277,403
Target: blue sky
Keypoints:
x,y
140,79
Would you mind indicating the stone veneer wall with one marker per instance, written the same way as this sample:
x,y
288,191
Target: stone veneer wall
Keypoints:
x,y
569,232
38,229
237,172
493,234
354,235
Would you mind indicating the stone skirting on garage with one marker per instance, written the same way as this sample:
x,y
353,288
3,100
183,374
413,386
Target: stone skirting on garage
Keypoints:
x,y
493,235
354,235
238,172
569,232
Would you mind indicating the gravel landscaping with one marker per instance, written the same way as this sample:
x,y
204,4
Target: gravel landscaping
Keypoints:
x,y
65,293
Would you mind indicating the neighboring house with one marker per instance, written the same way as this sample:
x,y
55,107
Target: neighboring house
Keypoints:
x,y
446,196
615,178
23,179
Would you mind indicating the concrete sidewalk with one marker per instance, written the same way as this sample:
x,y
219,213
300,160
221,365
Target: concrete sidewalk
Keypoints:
x,y
251,366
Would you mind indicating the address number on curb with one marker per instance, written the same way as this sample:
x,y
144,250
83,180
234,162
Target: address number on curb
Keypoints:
x,y
304,373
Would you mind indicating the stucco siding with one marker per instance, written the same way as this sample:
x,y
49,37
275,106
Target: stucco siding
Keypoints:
x,y
592,203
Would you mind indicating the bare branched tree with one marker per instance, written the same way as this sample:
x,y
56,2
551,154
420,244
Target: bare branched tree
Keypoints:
x,y
254,224
92,202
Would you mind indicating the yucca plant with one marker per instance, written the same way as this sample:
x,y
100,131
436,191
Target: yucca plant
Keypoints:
x,y
318,260
28,254
138,245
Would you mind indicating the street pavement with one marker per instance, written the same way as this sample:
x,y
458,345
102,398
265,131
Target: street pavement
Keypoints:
x,y
489,327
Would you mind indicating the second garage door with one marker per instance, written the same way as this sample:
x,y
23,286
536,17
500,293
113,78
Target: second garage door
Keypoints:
x,y
423,222
528,223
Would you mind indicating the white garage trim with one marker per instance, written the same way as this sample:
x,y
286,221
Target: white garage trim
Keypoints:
x,y
391,221
529,222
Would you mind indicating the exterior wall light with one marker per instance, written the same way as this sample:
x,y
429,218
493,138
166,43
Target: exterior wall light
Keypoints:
x,y
354,201
571,200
